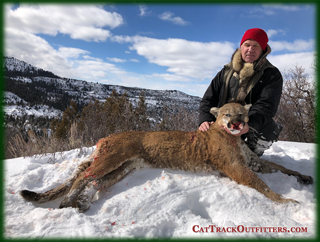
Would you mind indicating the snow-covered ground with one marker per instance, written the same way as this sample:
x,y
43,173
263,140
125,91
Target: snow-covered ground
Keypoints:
x,y
156,203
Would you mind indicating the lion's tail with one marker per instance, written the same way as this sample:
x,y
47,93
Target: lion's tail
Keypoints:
x,y
58,191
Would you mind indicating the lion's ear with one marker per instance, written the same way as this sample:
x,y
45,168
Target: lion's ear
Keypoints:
x,y
247,107
215,111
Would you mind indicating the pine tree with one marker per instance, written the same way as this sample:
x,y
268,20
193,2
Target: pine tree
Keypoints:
x,y
140,114
70,115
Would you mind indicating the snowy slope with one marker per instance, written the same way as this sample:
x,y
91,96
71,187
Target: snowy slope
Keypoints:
x,y
12,108
84,92
37,111
13,64
161,202
12,98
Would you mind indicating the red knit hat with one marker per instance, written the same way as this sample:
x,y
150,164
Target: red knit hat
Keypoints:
x,y
256,34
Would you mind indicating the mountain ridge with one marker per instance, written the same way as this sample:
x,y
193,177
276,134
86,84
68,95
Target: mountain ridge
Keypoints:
x,y
29,88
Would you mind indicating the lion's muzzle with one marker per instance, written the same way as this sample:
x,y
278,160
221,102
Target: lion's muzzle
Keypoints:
x,y
236,127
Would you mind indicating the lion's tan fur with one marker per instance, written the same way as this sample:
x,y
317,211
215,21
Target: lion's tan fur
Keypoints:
x,y
118,154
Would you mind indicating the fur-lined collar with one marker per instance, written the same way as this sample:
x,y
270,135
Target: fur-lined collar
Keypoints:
x,y
246,70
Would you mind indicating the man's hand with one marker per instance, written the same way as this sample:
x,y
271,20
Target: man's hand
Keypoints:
x,y
243,131
205,126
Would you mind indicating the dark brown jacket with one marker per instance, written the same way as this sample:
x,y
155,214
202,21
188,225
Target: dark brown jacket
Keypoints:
x,y
264,95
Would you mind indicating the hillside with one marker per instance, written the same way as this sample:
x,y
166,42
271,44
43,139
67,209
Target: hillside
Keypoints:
x,y
32,94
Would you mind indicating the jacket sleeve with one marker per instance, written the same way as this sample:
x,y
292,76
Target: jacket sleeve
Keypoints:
x,y
211,98
267,99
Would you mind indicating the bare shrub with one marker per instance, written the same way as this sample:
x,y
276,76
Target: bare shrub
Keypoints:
x,y
116,114
297,108
45,145
178,118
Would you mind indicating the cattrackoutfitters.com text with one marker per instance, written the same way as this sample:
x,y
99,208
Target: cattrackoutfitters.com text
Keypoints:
x,y
244,229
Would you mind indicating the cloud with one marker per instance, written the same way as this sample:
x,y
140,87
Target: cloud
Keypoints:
x,y
272,9
190,59
36,51
94,70
66,62
288,61
116,60
296,46
121,39
258,13
189,62
168,16
284,7
273,32
87,57
134,60
172,77
68,53
64,19
143,11
90,34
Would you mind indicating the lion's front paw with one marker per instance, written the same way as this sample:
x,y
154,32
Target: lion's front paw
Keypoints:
x,y
306,180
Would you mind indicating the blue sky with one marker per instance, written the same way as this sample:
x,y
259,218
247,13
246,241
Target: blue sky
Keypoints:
x,y
155,46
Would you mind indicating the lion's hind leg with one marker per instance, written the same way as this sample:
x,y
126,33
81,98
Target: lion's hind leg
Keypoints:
x,y
84,199
58,191
89,178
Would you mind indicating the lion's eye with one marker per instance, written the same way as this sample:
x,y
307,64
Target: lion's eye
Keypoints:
x,y
228,115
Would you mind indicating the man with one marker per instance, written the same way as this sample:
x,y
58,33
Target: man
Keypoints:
x,y
249,78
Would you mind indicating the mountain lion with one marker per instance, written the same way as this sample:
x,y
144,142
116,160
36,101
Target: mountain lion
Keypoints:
x,y
119,154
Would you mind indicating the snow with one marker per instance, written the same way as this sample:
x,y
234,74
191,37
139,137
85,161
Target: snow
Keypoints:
x,y
10,97
154,203
13,64
41,111
23,79
12,108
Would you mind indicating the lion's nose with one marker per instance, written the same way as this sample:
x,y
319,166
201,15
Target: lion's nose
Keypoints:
x,y
237,126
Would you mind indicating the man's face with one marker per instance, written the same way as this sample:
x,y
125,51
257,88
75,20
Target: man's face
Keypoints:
x,y
250,51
